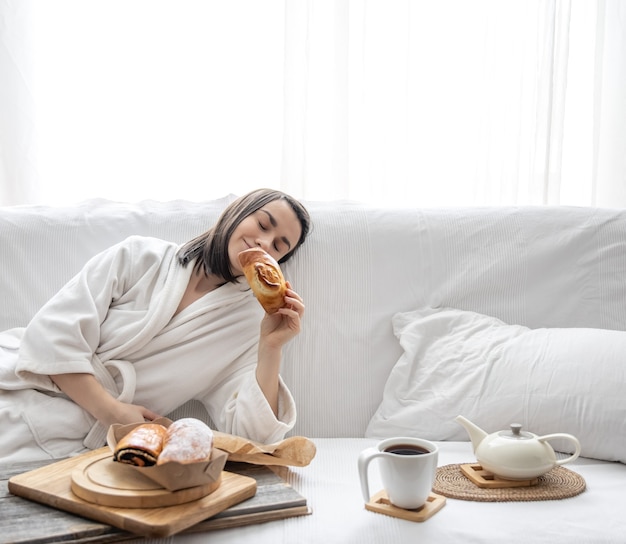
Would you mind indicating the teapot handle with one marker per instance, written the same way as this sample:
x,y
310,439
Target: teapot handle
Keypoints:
x,y
569,437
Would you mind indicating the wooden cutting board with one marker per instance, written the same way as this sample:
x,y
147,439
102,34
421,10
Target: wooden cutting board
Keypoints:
x,y
52,485
101,480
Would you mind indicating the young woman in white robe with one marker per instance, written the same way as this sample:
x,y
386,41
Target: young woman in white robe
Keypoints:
x,y
148,325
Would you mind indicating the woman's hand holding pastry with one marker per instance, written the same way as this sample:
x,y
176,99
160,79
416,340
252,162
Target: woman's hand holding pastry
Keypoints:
x,y
276,330
280,327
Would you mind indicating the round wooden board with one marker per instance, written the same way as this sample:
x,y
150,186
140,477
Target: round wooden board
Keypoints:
x,y
102,481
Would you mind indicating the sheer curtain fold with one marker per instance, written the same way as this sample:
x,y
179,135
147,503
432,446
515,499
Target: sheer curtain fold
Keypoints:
x,y
455,102
610,106
18,172
393,102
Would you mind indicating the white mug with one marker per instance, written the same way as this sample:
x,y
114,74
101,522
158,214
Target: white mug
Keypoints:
x,y
407,468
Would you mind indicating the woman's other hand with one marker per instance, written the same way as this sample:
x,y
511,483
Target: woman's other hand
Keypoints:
x,y
125,413
89,394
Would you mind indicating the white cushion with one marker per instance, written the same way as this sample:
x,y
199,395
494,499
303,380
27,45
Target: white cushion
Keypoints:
x,y
568,380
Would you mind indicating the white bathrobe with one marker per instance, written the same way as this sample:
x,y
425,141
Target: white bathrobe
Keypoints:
x,y
115,320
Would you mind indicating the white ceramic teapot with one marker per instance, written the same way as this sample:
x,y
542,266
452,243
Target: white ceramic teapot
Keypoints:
x,y
516,454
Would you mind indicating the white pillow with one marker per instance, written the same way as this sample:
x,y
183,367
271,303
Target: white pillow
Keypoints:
x,y
550,380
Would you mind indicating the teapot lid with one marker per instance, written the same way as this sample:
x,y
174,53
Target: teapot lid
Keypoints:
x,y
516,433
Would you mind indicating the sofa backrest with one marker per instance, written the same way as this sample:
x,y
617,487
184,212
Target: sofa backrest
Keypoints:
x,y
535,266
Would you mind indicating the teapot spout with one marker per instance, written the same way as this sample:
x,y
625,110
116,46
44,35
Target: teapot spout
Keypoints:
x,y
476,434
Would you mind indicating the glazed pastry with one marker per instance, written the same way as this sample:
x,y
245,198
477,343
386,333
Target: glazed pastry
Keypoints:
x,y
187,440
141,446
265,278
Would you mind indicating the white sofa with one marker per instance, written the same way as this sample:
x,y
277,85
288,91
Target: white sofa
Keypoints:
x,y
445,274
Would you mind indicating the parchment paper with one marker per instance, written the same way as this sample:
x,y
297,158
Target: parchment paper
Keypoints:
x,y
296,451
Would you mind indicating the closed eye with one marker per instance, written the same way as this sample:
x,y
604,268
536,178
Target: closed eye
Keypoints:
x,y
273,223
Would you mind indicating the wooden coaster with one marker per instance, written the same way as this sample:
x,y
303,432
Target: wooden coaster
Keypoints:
x,y
380,503
483,478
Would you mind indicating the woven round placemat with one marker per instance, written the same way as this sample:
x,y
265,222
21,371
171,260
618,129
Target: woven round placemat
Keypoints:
x,y
559,483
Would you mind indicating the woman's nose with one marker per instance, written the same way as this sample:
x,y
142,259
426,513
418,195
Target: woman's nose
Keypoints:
x,y
262,243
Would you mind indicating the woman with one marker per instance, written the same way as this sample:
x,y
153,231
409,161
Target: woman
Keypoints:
x,y
148,325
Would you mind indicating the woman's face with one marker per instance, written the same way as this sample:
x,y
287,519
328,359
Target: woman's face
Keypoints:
x,y
274,228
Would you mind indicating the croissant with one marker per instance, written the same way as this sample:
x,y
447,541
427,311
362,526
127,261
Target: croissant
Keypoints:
x,y
141,446
188,440
265,278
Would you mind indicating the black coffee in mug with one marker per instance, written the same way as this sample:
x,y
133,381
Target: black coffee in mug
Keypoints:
x,y
406,449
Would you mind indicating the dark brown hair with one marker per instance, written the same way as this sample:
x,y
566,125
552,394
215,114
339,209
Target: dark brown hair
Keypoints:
x,y
211,248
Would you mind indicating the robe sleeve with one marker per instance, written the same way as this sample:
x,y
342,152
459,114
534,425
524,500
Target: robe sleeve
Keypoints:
x,y
239,407
64,335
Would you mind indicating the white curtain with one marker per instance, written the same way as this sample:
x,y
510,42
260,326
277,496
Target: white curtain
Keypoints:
x,y
392,102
